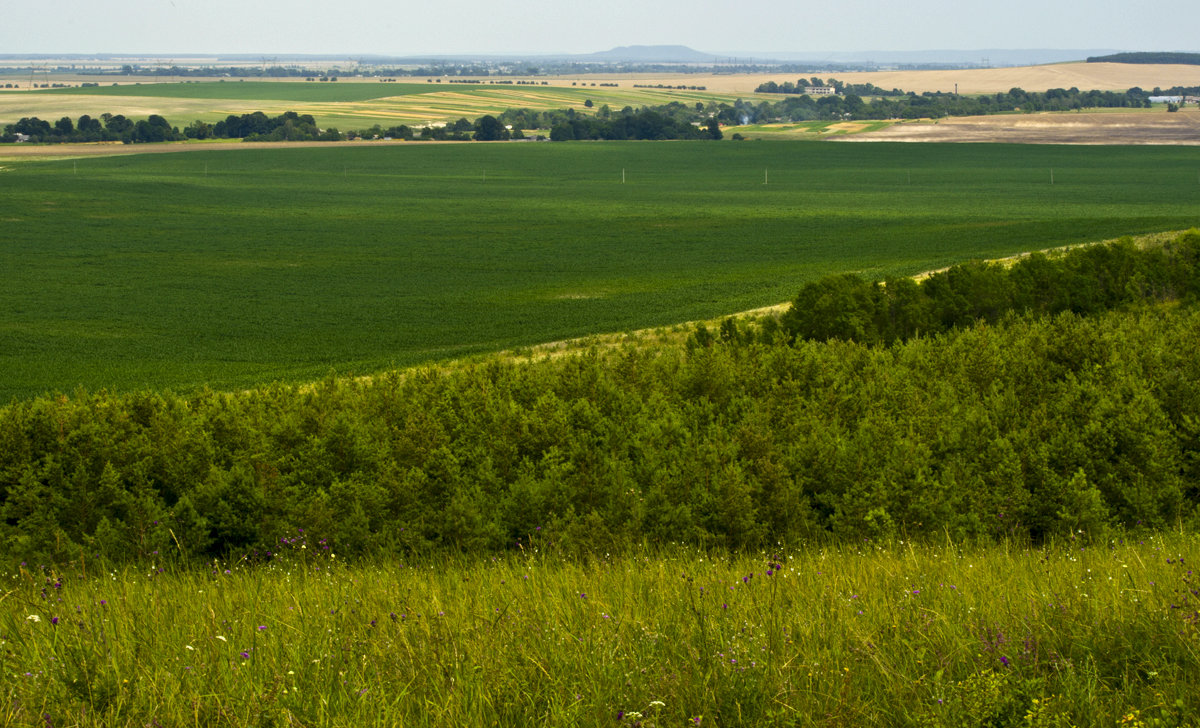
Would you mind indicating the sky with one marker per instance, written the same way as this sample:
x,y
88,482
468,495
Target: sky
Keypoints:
x,y
397,28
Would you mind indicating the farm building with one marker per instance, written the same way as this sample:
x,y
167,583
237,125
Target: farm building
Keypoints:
x,y
820,90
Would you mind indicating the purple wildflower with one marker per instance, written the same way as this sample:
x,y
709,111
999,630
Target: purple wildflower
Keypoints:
x,y
245,655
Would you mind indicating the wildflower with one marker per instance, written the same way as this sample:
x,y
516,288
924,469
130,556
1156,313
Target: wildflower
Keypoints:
x,y
54,621
245,655
190,647
222,638
1004,660
261,627
33,618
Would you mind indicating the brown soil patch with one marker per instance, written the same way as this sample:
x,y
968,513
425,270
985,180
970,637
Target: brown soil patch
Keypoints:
x,y
847,127
1150,127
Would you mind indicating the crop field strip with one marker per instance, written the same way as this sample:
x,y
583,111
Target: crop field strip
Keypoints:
x,y
235,268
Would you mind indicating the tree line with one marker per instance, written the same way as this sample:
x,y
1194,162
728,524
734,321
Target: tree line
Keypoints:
x,y
1022,425
1191,59
898,105
105,128
840,87
1085,281
671,121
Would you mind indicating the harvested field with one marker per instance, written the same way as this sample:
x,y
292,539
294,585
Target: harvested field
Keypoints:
x,y
1085,76
1054,128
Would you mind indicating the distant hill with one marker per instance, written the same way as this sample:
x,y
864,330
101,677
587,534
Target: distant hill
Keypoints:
x,y
652,54
1187,59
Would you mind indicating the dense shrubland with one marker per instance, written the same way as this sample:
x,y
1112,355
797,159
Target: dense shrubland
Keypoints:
x,y
1085,281
1034,422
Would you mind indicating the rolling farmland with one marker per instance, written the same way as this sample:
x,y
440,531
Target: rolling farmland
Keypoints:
x,y
234,268
342,104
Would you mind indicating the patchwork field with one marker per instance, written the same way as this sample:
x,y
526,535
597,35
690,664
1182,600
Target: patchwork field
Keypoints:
x,y
230,268
346,105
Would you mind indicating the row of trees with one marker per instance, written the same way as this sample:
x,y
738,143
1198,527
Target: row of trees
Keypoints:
x,y
673,121
288,126
1085,281
641,124
1034,426
105,128
896,105
840,87
1192,59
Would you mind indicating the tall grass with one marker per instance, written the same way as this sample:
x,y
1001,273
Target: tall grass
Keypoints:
x,y
898,634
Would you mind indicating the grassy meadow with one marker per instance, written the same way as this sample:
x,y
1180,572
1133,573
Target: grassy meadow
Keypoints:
x,y
1068,634
229,269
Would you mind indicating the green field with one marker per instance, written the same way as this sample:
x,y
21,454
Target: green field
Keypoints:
x,y
234,268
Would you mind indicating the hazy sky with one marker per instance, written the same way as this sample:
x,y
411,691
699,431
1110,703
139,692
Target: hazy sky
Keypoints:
x,y
396,27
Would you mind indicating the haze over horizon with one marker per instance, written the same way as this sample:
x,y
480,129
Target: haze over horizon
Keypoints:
x,y
373,27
